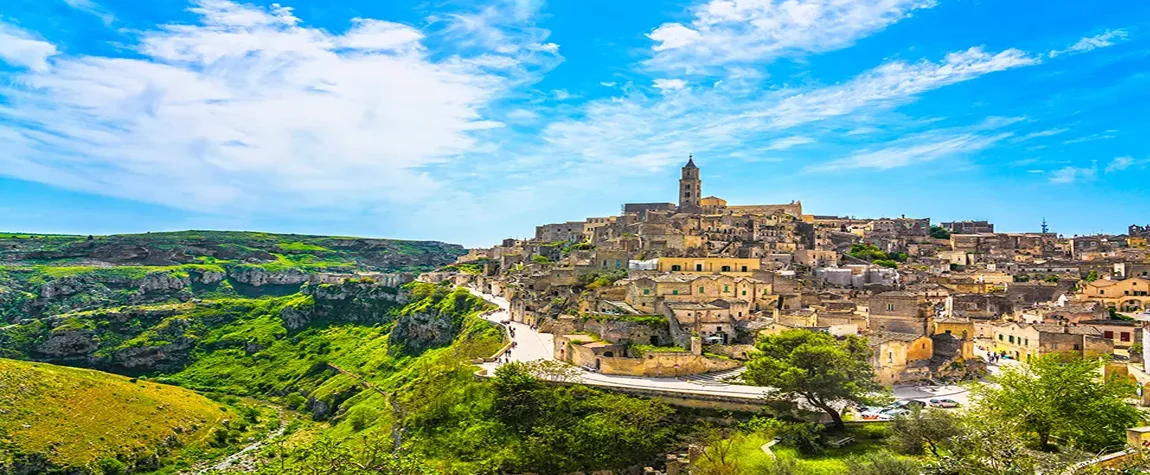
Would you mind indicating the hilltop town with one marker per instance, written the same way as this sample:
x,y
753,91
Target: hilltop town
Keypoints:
x,y
673,289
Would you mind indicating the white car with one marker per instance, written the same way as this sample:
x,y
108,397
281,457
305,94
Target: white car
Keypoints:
x,y
948,403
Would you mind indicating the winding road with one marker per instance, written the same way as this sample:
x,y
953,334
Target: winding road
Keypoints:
x,y
532,345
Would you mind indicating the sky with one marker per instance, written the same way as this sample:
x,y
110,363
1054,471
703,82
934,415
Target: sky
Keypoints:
x,y
469,122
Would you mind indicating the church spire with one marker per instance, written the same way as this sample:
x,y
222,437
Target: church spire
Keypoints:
x,y
690,161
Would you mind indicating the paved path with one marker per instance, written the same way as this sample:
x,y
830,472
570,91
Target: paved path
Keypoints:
x,y
532,345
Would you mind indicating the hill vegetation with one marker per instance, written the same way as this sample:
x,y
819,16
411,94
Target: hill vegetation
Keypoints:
x,y
58,418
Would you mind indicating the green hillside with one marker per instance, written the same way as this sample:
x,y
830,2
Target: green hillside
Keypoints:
x,y
59,417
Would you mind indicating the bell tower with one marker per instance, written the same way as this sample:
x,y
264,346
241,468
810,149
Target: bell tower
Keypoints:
x,y
690,186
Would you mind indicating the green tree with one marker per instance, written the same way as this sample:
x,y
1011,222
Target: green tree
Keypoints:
x,y
939,232
1063,397
924,429
1092,276
986,445
816,367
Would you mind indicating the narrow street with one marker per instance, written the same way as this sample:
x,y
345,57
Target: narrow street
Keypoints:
x,y
532,345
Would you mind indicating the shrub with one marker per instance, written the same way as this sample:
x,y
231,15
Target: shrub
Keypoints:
x,y
361,416
111,466
806,437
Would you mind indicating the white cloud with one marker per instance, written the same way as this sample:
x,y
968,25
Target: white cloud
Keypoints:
x,y
893,84
1119,164
741,31
1072,174
669,84
788,142
1109,38
1042,133
636,131
250,110
20,48
607,84
93,8
914,150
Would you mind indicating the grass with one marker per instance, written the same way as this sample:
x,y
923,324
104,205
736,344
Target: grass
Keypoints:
x,y
78,416
869,438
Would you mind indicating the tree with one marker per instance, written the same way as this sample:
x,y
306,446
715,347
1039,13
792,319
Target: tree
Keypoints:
x,y
986,445
1092,276
816,367
1062,397
939,232
924,428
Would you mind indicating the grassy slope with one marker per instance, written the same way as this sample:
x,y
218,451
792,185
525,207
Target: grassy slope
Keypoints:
x,y
77,416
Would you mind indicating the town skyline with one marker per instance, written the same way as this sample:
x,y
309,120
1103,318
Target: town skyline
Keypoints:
x,y
361,118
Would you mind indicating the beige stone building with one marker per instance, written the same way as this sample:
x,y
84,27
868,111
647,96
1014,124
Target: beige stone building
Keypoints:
x,y
899,311
709,265
901,357
647,293
1023,341
1130,295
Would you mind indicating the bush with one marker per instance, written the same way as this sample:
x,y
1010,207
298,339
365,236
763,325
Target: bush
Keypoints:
x,y
806,437
111,466
361,416
881,463
294,401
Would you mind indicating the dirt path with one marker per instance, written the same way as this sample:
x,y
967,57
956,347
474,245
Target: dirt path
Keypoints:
x,y
242,458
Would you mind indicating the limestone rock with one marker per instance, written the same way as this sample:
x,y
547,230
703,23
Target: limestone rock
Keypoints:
x,y
68,343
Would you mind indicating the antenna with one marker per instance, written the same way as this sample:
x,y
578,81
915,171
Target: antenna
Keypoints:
x,y
1045,228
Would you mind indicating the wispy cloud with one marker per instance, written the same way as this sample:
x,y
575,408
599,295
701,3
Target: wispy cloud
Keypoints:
x,y
669,84
1109,38
1119,164
1072,174
21,48
788,142
94,8
248,108
735,31
914,150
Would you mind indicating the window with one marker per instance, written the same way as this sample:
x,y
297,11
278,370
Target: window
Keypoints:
x,y
1109,335
890,307
999,337
1101,292
618,263
674,292
698,268
1010,338
701,290
726,289
1125,336
1026,341
646,291
718,329
744,293
1077,346
744,268
890,357
726,268
676,268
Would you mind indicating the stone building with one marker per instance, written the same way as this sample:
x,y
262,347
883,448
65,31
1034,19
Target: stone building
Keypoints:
x,y
1130,295
968,227
899,311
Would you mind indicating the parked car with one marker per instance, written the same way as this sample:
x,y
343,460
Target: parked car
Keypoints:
x,y
908,404
944,403
870,413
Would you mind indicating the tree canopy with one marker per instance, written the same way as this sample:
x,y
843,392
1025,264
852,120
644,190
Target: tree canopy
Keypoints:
x,y
1063,398
815,367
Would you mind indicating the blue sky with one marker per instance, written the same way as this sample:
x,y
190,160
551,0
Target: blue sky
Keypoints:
x,y
472,121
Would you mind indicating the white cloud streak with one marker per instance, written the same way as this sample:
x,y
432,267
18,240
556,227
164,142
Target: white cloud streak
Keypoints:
x,y
19,48
745,31
1104,40
1071,174
250,110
